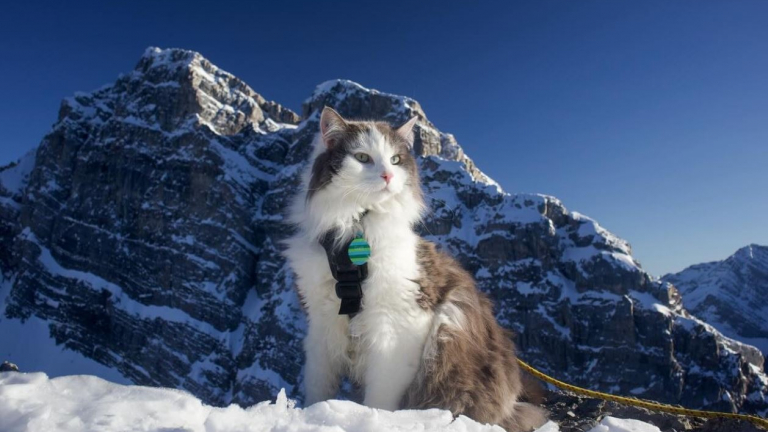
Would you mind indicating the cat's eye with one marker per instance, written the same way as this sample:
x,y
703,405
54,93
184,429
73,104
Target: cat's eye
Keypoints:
x,y
362,157
395,160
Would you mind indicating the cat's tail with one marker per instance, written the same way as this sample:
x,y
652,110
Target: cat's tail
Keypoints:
x,y
533,392
525,417
527,414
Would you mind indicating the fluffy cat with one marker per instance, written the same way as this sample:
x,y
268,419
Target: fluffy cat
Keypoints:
x,y
425,337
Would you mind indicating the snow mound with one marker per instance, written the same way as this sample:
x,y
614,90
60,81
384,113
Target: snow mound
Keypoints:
x,y
33,402
612,424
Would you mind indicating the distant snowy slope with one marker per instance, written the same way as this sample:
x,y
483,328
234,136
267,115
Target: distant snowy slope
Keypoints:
x,y
30,345
731,295
33,402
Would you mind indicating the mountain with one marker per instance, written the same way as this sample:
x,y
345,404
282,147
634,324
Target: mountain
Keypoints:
x,y
144,233
731,295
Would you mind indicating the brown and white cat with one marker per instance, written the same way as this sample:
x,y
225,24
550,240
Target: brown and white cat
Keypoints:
x,y
425,337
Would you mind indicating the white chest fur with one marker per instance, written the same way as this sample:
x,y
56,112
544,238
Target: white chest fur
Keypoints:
x,y
382,346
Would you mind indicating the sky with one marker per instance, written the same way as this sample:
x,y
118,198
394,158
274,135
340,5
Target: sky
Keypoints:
x,y
650,117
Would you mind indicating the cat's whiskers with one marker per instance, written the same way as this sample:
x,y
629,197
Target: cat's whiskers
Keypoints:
x,y
351,191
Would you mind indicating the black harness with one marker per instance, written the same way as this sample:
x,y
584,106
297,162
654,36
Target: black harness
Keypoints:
x,y
349,277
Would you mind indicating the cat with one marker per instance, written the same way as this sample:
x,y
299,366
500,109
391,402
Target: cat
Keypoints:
x,y
424,337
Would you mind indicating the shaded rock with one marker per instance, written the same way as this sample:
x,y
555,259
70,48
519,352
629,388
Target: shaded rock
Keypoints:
x,y
8,367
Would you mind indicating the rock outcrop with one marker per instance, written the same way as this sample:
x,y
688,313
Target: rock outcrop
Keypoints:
x,y
147,233
8,367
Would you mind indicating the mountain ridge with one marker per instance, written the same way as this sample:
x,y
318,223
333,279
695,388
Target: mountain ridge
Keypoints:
x,y
147,237
731,294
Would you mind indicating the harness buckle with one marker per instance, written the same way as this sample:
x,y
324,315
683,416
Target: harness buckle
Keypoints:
x,y
349,289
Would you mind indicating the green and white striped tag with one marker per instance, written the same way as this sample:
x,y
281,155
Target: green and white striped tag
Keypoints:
x,y
359,250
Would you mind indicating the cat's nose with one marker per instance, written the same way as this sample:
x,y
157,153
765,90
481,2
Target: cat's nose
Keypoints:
x,y
387,176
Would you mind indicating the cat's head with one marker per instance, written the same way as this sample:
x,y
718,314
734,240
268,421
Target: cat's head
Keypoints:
x,y
365,164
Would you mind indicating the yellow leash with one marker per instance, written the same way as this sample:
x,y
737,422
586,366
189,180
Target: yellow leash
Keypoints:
x,y
655,406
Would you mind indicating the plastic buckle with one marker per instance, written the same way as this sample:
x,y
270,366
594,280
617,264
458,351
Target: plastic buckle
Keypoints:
x,y
349,290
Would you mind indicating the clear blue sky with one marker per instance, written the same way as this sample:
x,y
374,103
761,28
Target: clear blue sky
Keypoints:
x,y
650,116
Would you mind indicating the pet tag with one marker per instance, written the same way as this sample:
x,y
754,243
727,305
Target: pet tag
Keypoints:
x,y
359,250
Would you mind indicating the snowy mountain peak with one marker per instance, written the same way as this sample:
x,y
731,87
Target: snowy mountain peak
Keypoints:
x,y
174,90
752,253
731,295
170,58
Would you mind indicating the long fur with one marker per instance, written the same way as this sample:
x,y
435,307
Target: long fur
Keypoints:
x,y
425,337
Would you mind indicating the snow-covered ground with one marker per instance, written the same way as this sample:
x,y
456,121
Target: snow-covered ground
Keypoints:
x,y
33,402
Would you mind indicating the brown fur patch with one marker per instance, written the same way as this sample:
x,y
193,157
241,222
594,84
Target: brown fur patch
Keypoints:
x,y
471,367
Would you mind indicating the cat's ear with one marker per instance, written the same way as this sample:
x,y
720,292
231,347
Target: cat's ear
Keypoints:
x,y
406,130
331,126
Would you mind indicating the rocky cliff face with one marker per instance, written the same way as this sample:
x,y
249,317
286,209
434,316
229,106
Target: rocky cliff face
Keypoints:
x,y
731,295
146,232
13,179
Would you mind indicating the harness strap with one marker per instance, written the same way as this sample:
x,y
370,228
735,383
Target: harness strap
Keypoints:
x,y
349,277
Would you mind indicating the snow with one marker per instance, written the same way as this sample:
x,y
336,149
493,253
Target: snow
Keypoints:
x,y
603,245
613,424
164,57
648,302
34,402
